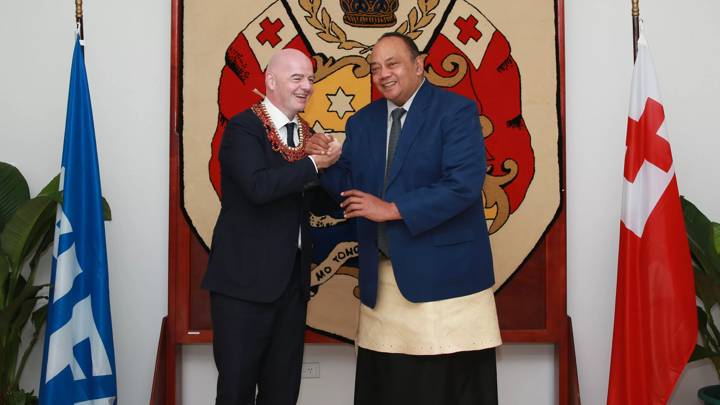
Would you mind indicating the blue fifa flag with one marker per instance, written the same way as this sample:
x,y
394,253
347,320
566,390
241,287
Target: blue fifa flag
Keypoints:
x,y
79,358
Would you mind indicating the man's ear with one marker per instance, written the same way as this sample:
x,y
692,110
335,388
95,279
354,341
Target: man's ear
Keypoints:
x,y
420,64
270,81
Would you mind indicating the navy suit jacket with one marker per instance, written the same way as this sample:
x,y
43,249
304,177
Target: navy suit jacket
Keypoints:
x,y
441,248
264,204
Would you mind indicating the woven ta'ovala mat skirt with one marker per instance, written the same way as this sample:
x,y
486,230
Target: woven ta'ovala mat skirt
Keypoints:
x,y
397,325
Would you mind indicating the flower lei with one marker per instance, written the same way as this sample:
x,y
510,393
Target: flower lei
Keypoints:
x,y
291,154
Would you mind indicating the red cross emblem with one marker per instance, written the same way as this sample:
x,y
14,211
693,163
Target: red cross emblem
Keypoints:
x,y
269,32
643,142
467,29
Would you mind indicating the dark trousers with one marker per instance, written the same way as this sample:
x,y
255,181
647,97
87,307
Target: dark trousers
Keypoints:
x,y
259,345
464,378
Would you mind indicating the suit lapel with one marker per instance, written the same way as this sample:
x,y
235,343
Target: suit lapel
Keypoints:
x,y
377,133
413,122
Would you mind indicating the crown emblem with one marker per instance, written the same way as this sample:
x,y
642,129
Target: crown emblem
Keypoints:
x,y
369,13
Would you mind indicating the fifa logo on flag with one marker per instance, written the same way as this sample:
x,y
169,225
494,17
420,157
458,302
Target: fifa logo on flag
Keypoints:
x,y
79,359
81,325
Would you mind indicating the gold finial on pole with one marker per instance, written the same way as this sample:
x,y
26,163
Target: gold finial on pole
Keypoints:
x,y
636,25
79,17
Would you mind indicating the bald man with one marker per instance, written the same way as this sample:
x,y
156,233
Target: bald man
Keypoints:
x,y
258,269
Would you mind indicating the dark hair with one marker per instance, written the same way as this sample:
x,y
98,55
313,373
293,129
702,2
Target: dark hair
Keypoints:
x,y
414,51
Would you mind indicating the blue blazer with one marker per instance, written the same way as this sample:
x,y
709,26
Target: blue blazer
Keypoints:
x,y
441,248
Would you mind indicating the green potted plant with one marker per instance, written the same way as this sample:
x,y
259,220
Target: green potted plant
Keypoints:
x,y
704,239
26,232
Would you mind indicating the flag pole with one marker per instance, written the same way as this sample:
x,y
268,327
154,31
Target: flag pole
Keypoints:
x,y
79,18
636,25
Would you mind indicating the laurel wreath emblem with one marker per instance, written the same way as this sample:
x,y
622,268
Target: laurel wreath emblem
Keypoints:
x,y
328,30
412,27
318,17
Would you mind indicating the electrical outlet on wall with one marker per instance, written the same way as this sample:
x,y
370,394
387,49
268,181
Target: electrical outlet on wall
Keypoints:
x,y
310,370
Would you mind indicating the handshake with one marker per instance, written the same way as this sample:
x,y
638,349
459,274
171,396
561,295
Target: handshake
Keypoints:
x,y
324,150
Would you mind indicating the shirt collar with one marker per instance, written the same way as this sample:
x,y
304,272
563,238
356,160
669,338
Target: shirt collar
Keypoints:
x,y
391,106
278,118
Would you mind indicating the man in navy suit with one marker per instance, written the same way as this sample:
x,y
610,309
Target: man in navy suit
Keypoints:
x,y
411,172
259,264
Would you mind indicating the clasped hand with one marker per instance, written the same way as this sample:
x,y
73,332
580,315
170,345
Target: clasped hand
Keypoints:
x,y
323,149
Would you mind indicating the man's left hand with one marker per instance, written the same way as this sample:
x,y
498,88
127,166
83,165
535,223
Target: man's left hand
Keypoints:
x,y
318,144
360,204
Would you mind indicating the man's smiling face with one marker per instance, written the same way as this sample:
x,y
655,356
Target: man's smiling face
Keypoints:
x,y
395,72
290,81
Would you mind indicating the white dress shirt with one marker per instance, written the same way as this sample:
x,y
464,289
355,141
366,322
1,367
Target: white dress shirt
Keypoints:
x,y
392,106
278,120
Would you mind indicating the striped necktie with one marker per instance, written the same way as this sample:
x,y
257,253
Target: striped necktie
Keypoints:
x,y
395,128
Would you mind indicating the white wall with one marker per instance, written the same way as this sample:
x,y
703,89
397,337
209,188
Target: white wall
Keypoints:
x,y
127,57
525,372
598,62
128,67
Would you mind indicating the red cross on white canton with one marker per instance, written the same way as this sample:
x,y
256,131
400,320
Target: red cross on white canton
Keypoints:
x,y
644,143
467,29
270,31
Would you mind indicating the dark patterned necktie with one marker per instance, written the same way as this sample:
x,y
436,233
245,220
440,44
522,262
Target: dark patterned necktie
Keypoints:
x,y
395,128
290,132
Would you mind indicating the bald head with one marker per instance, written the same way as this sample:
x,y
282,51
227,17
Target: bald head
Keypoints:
x,y
285,57
288,81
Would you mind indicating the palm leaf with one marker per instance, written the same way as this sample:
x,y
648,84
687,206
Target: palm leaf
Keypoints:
x,y
51,190
10,352
702,353
702,238
27,228
25,293
702,235
38,320
19,322
4,277
704,289
13,191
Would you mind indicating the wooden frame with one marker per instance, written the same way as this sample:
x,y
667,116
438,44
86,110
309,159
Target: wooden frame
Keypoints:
x,y
550,253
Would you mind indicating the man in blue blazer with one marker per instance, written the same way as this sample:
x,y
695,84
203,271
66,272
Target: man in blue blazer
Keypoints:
x,y
411,172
